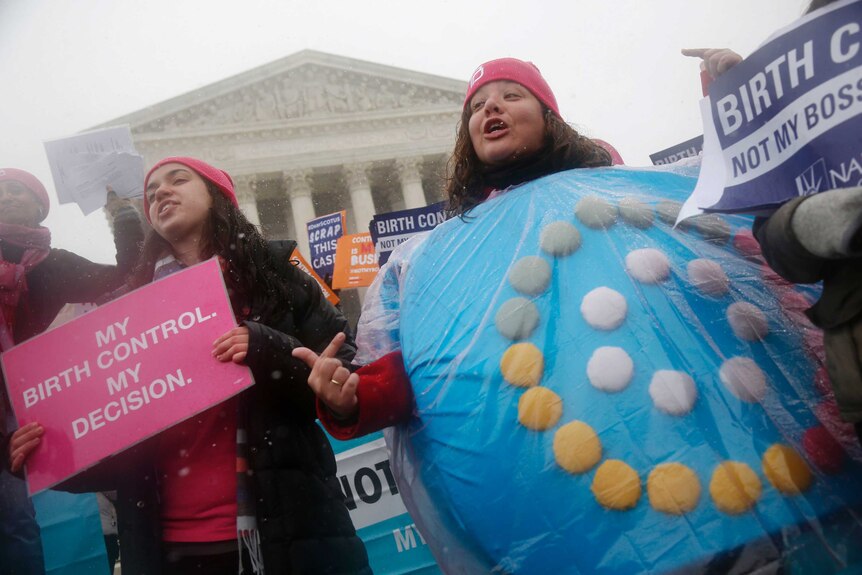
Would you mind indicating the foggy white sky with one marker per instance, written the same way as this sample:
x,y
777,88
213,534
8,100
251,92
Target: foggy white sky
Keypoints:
x,y
614,65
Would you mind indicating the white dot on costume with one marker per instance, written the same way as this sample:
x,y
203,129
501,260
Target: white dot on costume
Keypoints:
x,y
596,213
708,276
530,275
648,265
636,213
560,239
747,321
672,392
517,318
610,369
604,308
743,378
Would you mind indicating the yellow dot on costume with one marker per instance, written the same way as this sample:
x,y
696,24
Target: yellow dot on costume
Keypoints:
x,y
673,488
539,408
616,485
522,365
734,487
786,470
577,447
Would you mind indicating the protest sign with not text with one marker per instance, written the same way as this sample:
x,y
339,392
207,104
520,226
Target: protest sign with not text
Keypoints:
x,y
787,121
388,231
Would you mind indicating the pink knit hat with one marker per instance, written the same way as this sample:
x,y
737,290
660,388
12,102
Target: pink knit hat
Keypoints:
x,y
616,158
32,183
219,178
524,73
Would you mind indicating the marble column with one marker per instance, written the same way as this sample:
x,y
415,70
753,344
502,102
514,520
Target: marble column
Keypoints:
x,y
360,195
409,171
298,183
245,187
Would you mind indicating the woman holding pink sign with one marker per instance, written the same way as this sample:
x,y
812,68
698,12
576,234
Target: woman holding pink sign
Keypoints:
x,y
36,281
250,482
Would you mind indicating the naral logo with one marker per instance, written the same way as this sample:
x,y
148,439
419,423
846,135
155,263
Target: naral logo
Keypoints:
x,y
812,179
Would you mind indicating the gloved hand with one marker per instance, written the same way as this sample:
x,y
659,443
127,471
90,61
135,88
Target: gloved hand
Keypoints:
x,y
829,224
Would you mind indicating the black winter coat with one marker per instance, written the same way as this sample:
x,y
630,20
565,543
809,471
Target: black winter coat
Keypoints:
x,y
304,524
838,312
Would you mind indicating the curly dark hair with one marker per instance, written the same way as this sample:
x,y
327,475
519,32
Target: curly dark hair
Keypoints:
x,y
253,285
565,149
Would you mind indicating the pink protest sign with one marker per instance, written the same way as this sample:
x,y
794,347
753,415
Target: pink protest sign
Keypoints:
x,y
123,372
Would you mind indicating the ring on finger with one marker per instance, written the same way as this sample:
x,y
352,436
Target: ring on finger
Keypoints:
x,y
338,383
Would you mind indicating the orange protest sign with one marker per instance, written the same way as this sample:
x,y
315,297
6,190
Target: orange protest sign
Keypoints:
x,y
355,262
300,262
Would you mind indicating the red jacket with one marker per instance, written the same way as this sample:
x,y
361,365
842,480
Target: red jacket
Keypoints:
x,y
385,399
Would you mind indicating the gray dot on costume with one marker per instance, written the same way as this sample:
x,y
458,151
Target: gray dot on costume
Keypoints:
x,y
648,265
636,213
596,213
708,277
530,275
747,321
560,239
517,318
668,210
712,227
743,378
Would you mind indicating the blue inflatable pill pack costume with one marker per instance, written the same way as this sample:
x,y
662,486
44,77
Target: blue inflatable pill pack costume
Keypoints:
x,y
598,392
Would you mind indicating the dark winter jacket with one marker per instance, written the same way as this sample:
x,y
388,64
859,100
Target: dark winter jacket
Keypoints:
x,y
304,524
838,311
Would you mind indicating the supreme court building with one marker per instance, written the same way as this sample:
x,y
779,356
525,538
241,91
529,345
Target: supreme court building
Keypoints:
x,y
312,134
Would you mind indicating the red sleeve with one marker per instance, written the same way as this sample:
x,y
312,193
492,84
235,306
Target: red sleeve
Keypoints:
x,y
385,399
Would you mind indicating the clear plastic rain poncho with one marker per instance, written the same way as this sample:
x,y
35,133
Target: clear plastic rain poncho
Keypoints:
x,y
598,392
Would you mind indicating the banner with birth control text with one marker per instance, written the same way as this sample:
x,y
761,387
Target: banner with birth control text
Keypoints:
x,y
123,372
787,121
390,230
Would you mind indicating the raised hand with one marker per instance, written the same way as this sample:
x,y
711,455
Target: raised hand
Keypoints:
x,y
717,60
330,380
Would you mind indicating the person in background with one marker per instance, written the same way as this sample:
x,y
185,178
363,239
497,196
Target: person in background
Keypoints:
x,y
511,132
812,239
36,281
252,481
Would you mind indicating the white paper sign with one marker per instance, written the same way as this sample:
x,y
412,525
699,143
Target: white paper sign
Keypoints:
x,y
84,165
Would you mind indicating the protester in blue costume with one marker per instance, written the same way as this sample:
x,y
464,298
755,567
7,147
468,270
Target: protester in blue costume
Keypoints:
x,y
36,281
511,132
574,385
248,485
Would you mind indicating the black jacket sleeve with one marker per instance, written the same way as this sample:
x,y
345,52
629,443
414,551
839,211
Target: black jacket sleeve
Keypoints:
x,y
783,251
310,321
85,281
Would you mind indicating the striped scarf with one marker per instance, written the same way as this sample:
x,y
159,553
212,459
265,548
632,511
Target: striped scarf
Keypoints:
x,y
248,536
